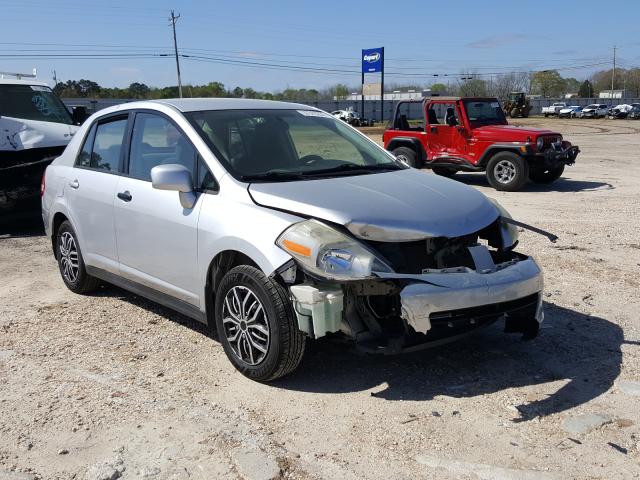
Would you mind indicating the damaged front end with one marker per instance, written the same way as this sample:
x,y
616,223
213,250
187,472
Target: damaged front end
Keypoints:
x,y
391,296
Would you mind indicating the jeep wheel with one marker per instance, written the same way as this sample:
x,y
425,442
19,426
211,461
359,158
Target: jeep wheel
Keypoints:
x,y
507,171
408,156
256,324
539,175
444,171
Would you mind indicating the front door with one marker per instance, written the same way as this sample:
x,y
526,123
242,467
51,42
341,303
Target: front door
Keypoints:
x,y
445,139
157,238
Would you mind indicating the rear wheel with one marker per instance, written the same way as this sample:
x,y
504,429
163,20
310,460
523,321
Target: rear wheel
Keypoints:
x,y
444,171
546,176
408,156
70,261
507,171
256,325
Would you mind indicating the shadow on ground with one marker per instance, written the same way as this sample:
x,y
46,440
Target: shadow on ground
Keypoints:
x,y
580,352
563,184
20,227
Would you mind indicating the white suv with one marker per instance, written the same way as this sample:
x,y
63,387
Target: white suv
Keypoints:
x,y
276,222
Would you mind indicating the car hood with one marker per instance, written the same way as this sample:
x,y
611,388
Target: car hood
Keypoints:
x,y
509,133
398,206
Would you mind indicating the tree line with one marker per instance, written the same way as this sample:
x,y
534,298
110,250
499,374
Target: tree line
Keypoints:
x,y
548,83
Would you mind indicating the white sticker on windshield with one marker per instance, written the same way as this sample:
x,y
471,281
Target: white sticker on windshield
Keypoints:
x,y
495,105
40,88
313,113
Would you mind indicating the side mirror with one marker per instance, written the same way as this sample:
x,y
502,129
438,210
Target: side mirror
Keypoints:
x,y
175,178
79,114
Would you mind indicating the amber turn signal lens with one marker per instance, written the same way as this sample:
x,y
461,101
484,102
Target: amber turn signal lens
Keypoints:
x,y
297,248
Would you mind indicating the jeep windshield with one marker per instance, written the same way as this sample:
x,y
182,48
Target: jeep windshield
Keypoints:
x,y
484,112
288,145
32,102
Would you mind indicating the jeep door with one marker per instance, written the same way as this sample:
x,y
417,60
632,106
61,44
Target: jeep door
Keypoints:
x,y
445,140
157,238
90,191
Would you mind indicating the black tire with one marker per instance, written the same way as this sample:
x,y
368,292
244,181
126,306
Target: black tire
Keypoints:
x,y
545,176
444,171
67,252
407,155
507,171
546,115
284,343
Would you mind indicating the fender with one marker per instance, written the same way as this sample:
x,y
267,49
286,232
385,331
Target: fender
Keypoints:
x,y
514,147
413,142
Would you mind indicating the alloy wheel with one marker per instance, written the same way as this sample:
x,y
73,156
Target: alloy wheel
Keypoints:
x,y
505,171
246,326
69,257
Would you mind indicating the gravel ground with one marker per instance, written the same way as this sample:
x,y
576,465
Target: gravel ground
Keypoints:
x,y
112,386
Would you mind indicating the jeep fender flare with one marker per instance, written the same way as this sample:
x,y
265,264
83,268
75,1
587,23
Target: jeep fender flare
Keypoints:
x,y
411,142
499,147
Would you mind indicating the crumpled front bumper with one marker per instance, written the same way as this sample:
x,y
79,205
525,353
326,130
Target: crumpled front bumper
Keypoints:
x,y
429,294
552,158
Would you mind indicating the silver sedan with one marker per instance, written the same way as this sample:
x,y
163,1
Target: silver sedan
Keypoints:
x,y
275,224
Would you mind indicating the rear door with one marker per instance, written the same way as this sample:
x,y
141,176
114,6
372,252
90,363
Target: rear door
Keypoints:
x,y
91,191
157,237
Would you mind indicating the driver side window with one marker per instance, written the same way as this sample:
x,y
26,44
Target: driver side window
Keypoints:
x,y
157,141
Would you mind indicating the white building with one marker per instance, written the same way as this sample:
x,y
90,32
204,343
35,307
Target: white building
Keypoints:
x,y
613,94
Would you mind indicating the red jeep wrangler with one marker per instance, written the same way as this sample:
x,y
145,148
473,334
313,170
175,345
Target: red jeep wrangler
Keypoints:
x,y
472,134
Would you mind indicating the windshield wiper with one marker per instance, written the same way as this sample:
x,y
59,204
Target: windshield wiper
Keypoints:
x,y
350,167
273,175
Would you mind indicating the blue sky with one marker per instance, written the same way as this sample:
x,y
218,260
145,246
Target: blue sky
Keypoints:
x,y
421,38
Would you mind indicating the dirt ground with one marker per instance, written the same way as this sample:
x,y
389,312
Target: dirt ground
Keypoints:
x,y
112,386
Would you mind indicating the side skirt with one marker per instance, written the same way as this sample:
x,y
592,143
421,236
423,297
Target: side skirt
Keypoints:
x,y
149,293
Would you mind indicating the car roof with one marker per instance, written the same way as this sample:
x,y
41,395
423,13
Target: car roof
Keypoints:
x,y
14,81
201,104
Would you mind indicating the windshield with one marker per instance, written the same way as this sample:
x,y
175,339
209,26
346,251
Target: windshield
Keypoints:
x,y
32,102
485,112
281,145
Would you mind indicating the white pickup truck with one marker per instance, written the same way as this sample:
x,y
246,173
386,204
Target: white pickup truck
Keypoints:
x,y
553,109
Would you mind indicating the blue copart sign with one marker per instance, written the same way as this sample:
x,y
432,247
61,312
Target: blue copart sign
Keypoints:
x,y
372,59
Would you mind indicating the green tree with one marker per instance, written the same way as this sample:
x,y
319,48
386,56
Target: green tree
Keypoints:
x,y
548,83
572,85
438,88
138,90
586,90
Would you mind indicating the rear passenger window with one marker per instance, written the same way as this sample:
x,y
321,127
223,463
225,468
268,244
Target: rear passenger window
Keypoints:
x,y
157,141
108,145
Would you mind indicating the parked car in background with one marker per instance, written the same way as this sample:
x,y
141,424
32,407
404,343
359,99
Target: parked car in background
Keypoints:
x,y
275,223
595,110
352,118
567,112
634,113
619,111
553,109
473,135
577,113
35,127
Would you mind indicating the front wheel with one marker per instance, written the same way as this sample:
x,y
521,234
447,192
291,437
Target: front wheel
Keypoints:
x,y
507,171
546,176
256,325
408,156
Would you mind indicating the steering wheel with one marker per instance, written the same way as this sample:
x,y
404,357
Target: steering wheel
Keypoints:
x,y
311,159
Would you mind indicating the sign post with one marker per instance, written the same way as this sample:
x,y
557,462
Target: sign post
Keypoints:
x,y
373,62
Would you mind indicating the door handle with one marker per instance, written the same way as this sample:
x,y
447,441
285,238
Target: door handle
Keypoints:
x,y
125,196
75,184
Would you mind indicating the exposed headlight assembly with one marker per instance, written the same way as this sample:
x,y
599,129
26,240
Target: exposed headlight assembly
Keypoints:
x,y
328,253
508,231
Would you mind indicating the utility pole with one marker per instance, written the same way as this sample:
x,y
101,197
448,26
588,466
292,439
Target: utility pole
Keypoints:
x,y
173,21
55,78
613,72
